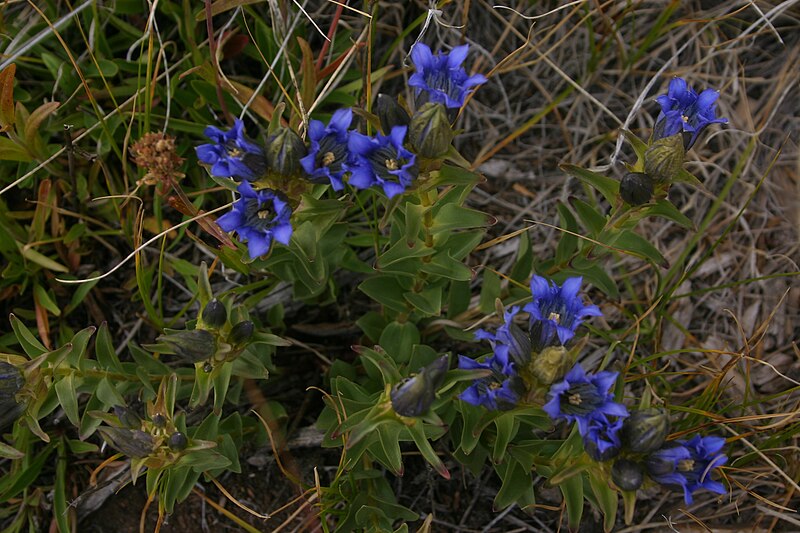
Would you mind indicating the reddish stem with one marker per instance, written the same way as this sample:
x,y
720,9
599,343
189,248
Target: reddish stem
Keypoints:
x,y
331,33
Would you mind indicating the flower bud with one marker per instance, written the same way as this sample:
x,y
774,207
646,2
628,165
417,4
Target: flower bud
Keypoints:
x,y
645,430
214,314
285,149
132,442
127,417
178,442
627,474
519,347
241,333
550,365
195,345
664,159
390,113
430,131
159,420
636,188
11,381
414,395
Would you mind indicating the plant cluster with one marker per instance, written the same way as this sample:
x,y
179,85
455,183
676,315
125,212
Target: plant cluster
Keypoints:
x,y
380,193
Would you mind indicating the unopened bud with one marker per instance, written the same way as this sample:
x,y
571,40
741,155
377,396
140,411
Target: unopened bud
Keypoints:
x,y
390,113
551,364
159,420
519,347
178,442
214,314
284,152
195,345
664,159
414,395
636,188
645,430
11,381
627,474
430,131
241,333
132,442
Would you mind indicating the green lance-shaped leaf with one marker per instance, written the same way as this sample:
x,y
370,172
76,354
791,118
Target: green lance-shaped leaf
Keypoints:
x,y
418,434
608,187
517,486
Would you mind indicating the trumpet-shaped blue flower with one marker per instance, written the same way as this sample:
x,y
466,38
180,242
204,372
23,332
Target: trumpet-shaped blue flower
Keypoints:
x,y
688,465
382,160
497,391
440,78
508,341
259,217
556,312
328,155
232,154
683,110
582,397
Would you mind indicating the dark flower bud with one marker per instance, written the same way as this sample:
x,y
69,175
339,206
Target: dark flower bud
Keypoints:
x,y
645,430
550,364
127,417
215,314
241,333
430,131
390,113
636,188
159,420
285,149
519,347
664,159
178,442
627,474
132,442
195,345
414,395
11,381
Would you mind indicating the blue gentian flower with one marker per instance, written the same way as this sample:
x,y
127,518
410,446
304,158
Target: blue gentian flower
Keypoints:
x,y
382,160
582,397
440,78
683,110
328,155
259,217
662,465
556,312
602,439
688,465
706,456
495,392
509,341
232,154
